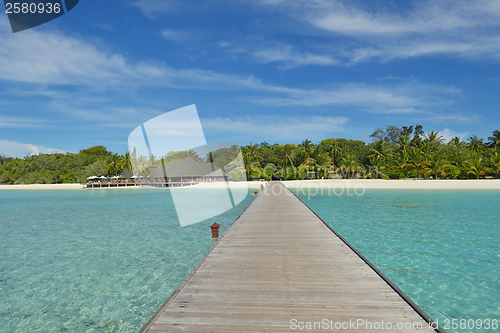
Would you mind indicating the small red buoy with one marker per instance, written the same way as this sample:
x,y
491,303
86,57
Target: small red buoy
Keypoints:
x,y
256,194
215,231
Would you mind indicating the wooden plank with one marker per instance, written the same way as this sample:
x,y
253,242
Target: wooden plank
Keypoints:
x,y
278,263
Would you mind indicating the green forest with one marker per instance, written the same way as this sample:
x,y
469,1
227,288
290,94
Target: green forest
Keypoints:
x,y
394,153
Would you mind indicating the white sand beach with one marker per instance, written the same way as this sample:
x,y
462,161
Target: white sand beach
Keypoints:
x,y
445,184
208,185
42,187
410,184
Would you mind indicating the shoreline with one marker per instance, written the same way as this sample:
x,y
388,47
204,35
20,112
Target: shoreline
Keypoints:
x,y
398,184
42,187
207,185
408,184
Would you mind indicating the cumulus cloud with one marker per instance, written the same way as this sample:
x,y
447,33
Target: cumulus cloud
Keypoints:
x,y
17,149
448,134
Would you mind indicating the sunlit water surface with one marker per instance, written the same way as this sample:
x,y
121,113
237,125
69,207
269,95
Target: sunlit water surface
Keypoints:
x,y
441,247
94,260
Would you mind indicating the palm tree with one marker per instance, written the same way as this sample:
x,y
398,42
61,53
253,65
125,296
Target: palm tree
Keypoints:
x,y
456,158
305,149
253,153
126,161
336,152
476,144
401,161
494,139
476,165
404,142
417,161
494,163
381,152
437,165
323,163
142,164
434,139
248,165
455,141
350,166
113,163
287,154
426,148
376,170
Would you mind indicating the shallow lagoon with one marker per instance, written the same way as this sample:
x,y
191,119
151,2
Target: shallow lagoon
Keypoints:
x,y
104,261
94,260
441,247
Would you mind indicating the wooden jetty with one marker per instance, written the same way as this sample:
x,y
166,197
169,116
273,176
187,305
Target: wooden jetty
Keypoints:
x,y
280,268
97,185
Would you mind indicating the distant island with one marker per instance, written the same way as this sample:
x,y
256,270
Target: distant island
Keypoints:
x,y
394,153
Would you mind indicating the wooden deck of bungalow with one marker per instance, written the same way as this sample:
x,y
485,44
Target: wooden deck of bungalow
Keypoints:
x,y
278,265
98,185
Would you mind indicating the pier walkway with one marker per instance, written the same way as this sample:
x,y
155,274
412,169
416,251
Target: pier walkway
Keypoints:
x,y
279,268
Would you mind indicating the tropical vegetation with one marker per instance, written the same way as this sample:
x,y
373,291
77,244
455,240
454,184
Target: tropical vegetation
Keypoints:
x,y
394,153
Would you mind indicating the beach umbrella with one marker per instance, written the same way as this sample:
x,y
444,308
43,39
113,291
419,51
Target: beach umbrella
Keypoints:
x,y
92,177
102,177
134,177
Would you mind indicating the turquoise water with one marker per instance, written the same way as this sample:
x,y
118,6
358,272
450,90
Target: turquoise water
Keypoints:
x,y
94,260
441,247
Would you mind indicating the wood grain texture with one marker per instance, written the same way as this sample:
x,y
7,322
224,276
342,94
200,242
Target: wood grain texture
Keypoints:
x,y
276,263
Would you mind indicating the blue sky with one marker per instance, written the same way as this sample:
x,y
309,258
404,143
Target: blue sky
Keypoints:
x,y
257,70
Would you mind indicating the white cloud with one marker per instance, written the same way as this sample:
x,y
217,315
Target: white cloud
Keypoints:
x,y
20,122
16,149
277,128
402,97
417,48
413,29
454,117
181,35
289,57
153,8
52,58
448,134
425,17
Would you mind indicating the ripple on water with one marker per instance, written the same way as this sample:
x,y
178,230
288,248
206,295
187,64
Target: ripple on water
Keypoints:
x,y
93,261
440,247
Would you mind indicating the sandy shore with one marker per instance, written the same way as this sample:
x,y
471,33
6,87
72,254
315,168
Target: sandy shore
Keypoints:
x,y
211,185
42,187
410,184
483,184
